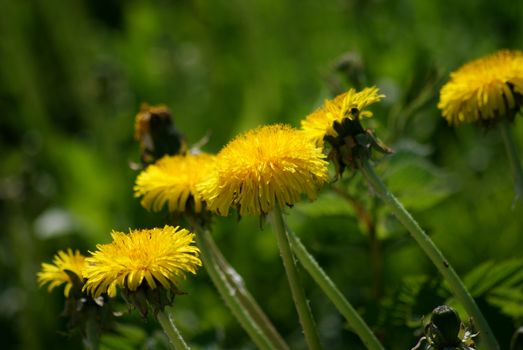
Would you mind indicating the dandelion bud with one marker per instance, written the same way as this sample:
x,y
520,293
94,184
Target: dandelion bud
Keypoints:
x,y
446,320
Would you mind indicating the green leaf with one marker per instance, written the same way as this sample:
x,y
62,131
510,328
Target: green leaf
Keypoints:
x,y
509,300
489,276
418,183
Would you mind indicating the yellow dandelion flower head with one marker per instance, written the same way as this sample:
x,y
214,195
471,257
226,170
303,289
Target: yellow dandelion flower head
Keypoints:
x,y
173,180
268,165
484,89
55,274
320,123
158,256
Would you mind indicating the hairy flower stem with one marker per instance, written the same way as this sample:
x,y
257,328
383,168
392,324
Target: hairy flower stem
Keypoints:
x,y
435,255
175,338
354,320
228,293
298,295
235,282
515,162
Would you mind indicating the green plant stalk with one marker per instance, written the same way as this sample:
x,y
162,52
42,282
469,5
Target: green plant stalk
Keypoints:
x,y
357,324
175,338
92,335
228,294
235,282
298,295
513,156
435,255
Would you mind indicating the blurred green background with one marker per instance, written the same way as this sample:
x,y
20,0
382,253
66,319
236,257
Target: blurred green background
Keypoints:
x,y
74,73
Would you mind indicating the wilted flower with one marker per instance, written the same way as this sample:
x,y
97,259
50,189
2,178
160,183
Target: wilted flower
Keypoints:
x,y
155,130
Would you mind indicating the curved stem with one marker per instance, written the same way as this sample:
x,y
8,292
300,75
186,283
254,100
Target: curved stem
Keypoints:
x,y
228,293
175,338
245,298
513,156
298,295
354,320
435,255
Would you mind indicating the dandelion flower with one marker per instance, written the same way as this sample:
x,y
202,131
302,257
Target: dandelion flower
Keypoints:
x,y
55,274
348,105
152,257
266,166
484,89
173,180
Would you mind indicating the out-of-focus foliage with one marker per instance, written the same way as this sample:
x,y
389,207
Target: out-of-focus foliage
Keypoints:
x,y
74,73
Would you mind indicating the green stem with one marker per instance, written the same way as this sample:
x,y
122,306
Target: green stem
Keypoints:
x,y
175,338
228,293
435,255
329,288
92,334
235,282
298,295
512,152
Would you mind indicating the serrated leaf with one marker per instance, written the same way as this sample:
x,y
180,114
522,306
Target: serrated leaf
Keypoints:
x,y
509,300
490,275
418,183
416,297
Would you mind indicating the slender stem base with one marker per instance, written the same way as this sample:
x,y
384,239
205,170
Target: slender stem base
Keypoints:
x,y
354,320
228,293
92,334
298,295
175,338
513,156
243,296
435,255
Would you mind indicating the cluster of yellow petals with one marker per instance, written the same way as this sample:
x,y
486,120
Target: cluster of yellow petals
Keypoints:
x,y
263,167
484,89
320,123
54,273
158,256
173,180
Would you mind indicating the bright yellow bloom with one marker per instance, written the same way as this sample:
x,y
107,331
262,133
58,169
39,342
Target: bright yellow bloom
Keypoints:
x,y
158,256
484,89
268,165
320,123
173,180
55,275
